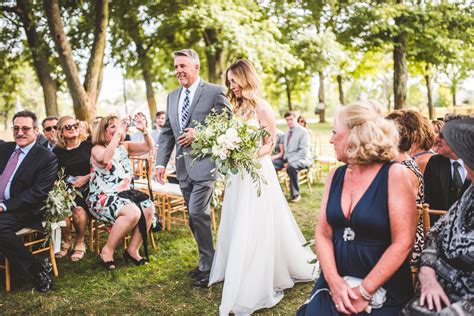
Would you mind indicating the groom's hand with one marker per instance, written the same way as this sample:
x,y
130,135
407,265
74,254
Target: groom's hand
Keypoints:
x,y
187,137
160,175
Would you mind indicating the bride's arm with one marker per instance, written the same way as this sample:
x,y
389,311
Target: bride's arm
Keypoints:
x,y
266,118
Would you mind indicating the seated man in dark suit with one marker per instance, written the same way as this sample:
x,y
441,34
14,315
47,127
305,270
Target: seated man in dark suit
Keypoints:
x,y
27,173
445,178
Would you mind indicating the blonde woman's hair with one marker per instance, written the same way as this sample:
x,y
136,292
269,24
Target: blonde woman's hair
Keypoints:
x,y
98,134
60,140
246,78
372,138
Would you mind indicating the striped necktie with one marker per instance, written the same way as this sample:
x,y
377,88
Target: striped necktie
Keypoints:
x,y
185,109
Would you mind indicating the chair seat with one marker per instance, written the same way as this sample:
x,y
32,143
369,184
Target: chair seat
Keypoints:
x,y
25,231
327,159
167,188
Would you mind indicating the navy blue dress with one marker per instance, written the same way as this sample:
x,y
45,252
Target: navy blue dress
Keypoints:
x,y
371,224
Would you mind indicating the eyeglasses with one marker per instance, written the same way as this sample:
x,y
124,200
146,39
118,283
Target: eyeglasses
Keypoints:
x,y
24,129
69,127
49,128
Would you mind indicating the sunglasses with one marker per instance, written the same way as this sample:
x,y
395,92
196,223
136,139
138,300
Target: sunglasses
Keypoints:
x,y
69,127
24,129
50,128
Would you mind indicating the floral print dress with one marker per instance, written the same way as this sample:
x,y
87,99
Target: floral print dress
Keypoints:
x,y
105,184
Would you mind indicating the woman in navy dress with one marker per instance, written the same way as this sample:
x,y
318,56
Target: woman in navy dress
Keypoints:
x,y
367,224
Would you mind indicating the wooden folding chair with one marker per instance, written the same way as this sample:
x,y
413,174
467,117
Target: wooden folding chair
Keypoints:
x,y
414,270
324,162
426,217
31,237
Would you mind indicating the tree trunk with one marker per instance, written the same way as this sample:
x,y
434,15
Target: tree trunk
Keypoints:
x,y
214,56
341,91
400,71
454,90
83,108
95,65
321,105
40,54
288,94
430,97
144,60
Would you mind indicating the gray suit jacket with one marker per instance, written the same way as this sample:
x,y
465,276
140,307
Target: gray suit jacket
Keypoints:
x,y
298,148
206,97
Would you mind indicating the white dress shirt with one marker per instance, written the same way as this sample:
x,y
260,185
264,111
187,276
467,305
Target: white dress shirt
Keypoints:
x,y
462,170
182,95
24,151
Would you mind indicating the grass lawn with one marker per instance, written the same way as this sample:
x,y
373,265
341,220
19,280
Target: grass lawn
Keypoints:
x,y
162,287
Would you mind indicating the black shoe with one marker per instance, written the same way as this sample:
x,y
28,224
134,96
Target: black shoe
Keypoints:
x,y
194,272
200,274
202,281
136,262
108,265
43,282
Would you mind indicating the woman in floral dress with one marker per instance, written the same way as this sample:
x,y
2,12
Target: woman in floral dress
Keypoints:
x,y
112,174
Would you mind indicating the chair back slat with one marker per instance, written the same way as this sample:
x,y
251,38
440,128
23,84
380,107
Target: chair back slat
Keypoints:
x,y
426,217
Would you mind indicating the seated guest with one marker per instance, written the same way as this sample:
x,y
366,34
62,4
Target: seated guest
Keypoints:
x,y
49,130
437,125
407,129
74,154
85,130
111,174
366,226
297,153
302,121
28,171
278,150
445,176
160,117
423,139
447,262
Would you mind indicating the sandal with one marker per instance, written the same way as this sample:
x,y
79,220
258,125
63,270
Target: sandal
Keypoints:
x,y
65,246
78,252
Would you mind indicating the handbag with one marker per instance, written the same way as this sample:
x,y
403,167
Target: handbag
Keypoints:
x,y
378,298
137,197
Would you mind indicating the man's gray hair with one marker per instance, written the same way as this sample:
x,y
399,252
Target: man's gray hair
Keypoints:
x,y
190,53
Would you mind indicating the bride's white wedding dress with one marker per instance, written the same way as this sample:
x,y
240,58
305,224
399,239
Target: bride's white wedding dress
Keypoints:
x,y
259,250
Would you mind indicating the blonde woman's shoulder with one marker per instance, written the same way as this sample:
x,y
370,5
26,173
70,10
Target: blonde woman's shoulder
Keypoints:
x,y
262,106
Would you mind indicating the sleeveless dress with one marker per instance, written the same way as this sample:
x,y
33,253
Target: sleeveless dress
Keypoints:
x,y
420,199
259,250
105,184
359,252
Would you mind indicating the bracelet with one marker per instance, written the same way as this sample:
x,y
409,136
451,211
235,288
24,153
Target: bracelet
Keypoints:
x,y
145,132
365,295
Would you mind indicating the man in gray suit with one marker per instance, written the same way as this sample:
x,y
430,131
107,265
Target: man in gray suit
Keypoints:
x,y
297,153
192,102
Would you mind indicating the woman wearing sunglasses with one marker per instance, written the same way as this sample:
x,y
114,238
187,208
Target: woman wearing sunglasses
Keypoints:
x,y
74,153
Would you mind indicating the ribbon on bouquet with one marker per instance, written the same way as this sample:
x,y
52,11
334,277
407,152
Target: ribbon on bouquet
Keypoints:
x,y
56,235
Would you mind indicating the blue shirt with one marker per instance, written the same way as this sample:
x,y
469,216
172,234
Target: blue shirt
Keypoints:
x,y
24,151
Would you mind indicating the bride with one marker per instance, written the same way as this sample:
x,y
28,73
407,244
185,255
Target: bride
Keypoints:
x,y
259,244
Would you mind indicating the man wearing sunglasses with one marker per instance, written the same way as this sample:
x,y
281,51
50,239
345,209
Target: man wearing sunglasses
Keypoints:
x,y
27,173
49,130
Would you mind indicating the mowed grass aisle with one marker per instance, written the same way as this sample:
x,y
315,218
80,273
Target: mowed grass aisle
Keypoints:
x,y
162,287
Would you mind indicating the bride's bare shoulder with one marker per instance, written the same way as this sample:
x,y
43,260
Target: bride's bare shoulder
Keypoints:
x,y
264,108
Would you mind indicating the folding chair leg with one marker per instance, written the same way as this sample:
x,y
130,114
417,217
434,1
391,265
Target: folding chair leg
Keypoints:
x,y
96,237
90,225
152,240
213,219
53,260
7,276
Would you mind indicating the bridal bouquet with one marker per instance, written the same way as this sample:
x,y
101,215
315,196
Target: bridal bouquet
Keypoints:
x,y
232,144
58,206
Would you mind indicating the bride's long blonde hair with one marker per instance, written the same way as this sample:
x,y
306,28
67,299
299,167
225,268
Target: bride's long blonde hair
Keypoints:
x,y
246,78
